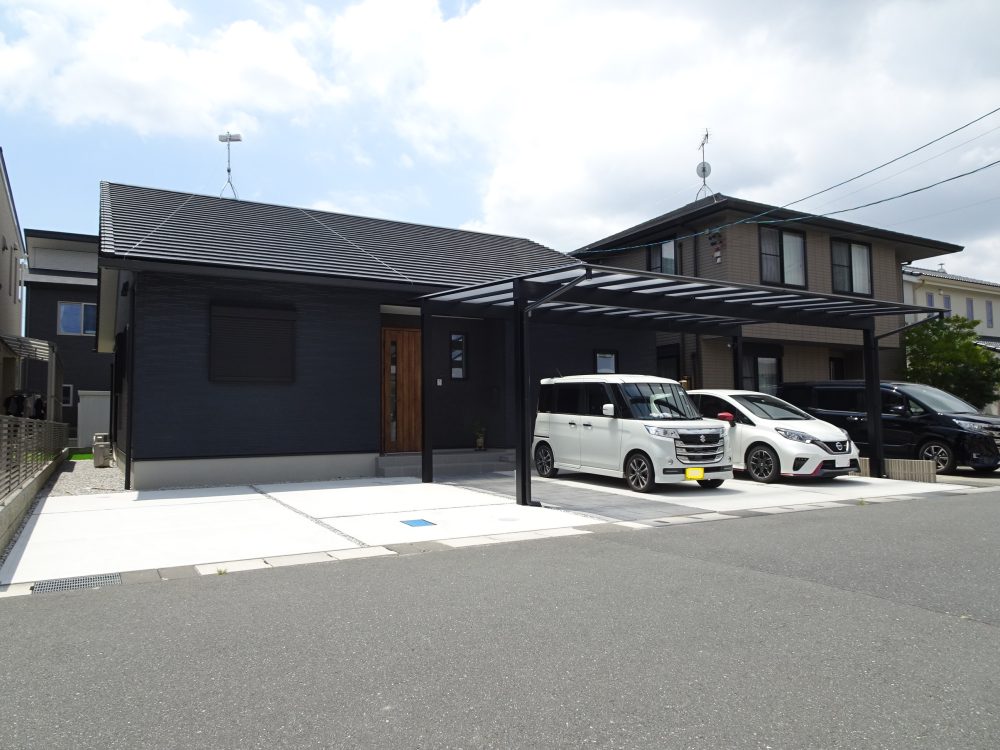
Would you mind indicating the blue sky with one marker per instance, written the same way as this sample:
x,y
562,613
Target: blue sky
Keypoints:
x,y
559,120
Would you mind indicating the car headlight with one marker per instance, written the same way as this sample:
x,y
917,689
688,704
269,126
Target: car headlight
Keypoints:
x,y
974,426
798,437
665,432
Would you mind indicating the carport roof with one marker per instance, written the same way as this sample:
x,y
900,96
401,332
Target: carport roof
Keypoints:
x,y
614,296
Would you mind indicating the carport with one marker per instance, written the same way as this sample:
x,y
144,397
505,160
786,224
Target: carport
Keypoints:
x,y
587,294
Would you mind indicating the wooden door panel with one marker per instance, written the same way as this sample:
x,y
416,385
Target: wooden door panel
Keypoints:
x,y
401,419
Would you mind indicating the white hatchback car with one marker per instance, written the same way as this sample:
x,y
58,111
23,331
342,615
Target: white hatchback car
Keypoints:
x,y
772,438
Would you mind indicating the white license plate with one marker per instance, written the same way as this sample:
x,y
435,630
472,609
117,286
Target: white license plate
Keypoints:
x,y
843,463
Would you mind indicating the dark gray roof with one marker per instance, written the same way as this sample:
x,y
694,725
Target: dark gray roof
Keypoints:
x,y
913,270
145,224
648,231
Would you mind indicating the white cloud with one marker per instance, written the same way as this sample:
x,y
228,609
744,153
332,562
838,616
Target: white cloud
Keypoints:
x,y
138,65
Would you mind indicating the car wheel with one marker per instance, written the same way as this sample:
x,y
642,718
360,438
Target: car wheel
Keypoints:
x,y
940,453
639,472
545,461
762,463
710,484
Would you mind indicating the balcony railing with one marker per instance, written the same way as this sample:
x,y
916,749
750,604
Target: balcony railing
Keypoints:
x,y
26,446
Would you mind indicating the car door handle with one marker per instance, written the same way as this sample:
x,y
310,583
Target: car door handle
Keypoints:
x,y
572,424
588,424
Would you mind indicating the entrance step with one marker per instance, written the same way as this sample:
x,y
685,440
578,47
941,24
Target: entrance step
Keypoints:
x,y
446,463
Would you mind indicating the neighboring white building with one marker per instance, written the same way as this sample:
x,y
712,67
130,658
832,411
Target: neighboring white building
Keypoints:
x,y
971,298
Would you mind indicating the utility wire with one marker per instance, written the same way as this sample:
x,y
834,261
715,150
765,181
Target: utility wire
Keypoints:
x,y
752,219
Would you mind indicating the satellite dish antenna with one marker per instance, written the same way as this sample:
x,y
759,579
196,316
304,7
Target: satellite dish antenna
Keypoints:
x,y
703,170
229,138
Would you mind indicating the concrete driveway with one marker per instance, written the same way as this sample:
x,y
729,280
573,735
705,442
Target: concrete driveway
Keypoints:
x,y
152,535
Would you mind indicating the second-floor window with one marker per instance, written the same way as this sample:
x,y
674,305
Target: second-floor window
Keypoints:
x,y
970,308
946,301
852,267
663,258
989,313
77,319
930,299
782,257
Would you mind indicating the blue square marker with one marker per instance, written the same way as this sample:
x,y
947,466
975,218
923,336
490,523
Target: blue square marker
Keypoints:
x,y
418,522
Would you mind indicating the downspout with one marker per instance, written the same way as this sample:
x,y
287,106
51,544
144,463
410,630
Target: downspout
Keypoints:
x,y
130,344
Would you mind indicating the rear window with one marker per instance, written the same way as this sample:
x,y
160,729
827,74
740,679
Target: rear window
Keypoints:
x,y
545,399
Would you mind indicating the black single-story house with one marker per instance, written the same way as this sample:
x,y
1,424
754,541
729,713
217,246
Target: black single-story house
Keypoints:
x,y
258,343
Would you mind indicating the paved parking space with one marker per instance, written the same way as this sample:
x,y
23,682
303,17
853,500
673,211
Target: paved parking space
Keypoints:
x,y
208,530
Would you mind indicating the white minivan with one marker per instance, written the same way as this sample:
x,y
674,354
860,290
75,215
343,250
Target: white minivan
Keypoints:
x,y
639,427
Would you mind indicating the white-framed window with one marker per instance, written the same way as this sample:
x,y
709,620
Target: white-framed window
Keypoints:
x,y
852,267
930,299
782,257
67,395
663,258
946,303
970,308
77,319
605,362
989,313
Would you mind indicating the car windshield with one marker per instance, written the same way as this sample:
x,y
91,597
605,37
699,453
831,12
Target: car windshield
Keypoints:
x,y
659,401
937,400
769,407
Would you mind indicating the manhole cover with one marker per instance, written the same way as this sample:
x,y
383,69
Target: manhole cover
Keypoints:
x,y
80,582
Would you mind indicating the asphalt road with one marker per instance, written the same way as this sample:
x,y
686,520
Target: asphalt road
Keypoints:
x,y
862,627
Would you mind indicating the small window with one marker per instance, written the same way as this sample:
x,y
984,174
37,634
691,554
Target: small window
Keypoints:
x,y
545,398
597,396
605,362
946,301
663,258
77,319
930,299
251,344
852,267
970,308
458,356
782,257
67,395
989,313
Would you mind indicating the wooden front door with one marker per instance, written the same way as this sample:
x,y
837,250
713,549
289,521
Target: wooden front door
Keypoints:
x,y
400,390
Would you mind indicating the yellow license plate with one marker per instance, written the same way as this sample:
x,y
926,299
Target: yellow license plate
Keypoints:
x,y
694,473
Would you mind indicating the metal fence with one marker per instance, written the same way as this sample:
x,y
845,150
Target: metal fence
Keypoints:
x,y
26,446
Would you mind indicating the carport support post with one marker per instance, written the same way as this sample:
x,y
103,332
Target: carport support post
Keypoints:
x,y
737,347
873,399
426,393
522,418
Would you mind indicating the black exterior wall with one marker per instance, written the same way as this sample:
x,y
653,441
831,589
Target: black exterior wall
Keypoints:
x,y
332,406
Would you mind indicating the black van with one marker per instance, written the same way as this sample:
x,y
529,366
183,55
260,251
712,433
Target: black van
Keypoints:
x,y
918,421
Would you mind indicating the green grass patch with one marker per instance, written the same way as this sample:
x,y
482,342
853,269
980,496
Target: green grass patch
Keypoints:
x,y
81,457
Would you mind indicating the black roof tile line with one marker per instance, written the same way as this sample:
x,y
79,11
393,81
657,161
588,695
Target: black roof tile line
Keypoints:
x,y
717,203
149,224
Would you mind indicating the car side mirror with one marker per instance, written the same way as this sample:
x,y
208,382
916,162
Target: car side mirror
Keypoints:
x,y
608,410
899,409
726,416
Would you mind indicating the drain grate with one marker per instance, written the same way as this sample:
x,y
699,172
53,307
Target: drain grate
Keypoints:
x,y
80,582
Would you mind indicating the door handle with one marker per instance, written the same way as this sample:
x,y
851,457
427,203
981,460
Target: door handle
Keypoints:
x,y
588,424
572,424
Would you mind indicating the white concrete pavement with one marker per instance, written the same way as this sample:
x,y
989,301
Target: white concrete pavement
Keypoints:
x,y
226,529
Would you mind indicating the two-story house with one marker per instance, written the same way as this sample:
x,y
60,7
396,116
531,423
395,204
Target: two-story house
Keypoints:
x,y
11,263
730,239
61,307
974,299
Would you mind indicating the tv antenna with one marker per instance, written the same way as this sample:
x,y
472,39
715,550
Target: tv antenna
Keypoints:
x,y
703,170
229,138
